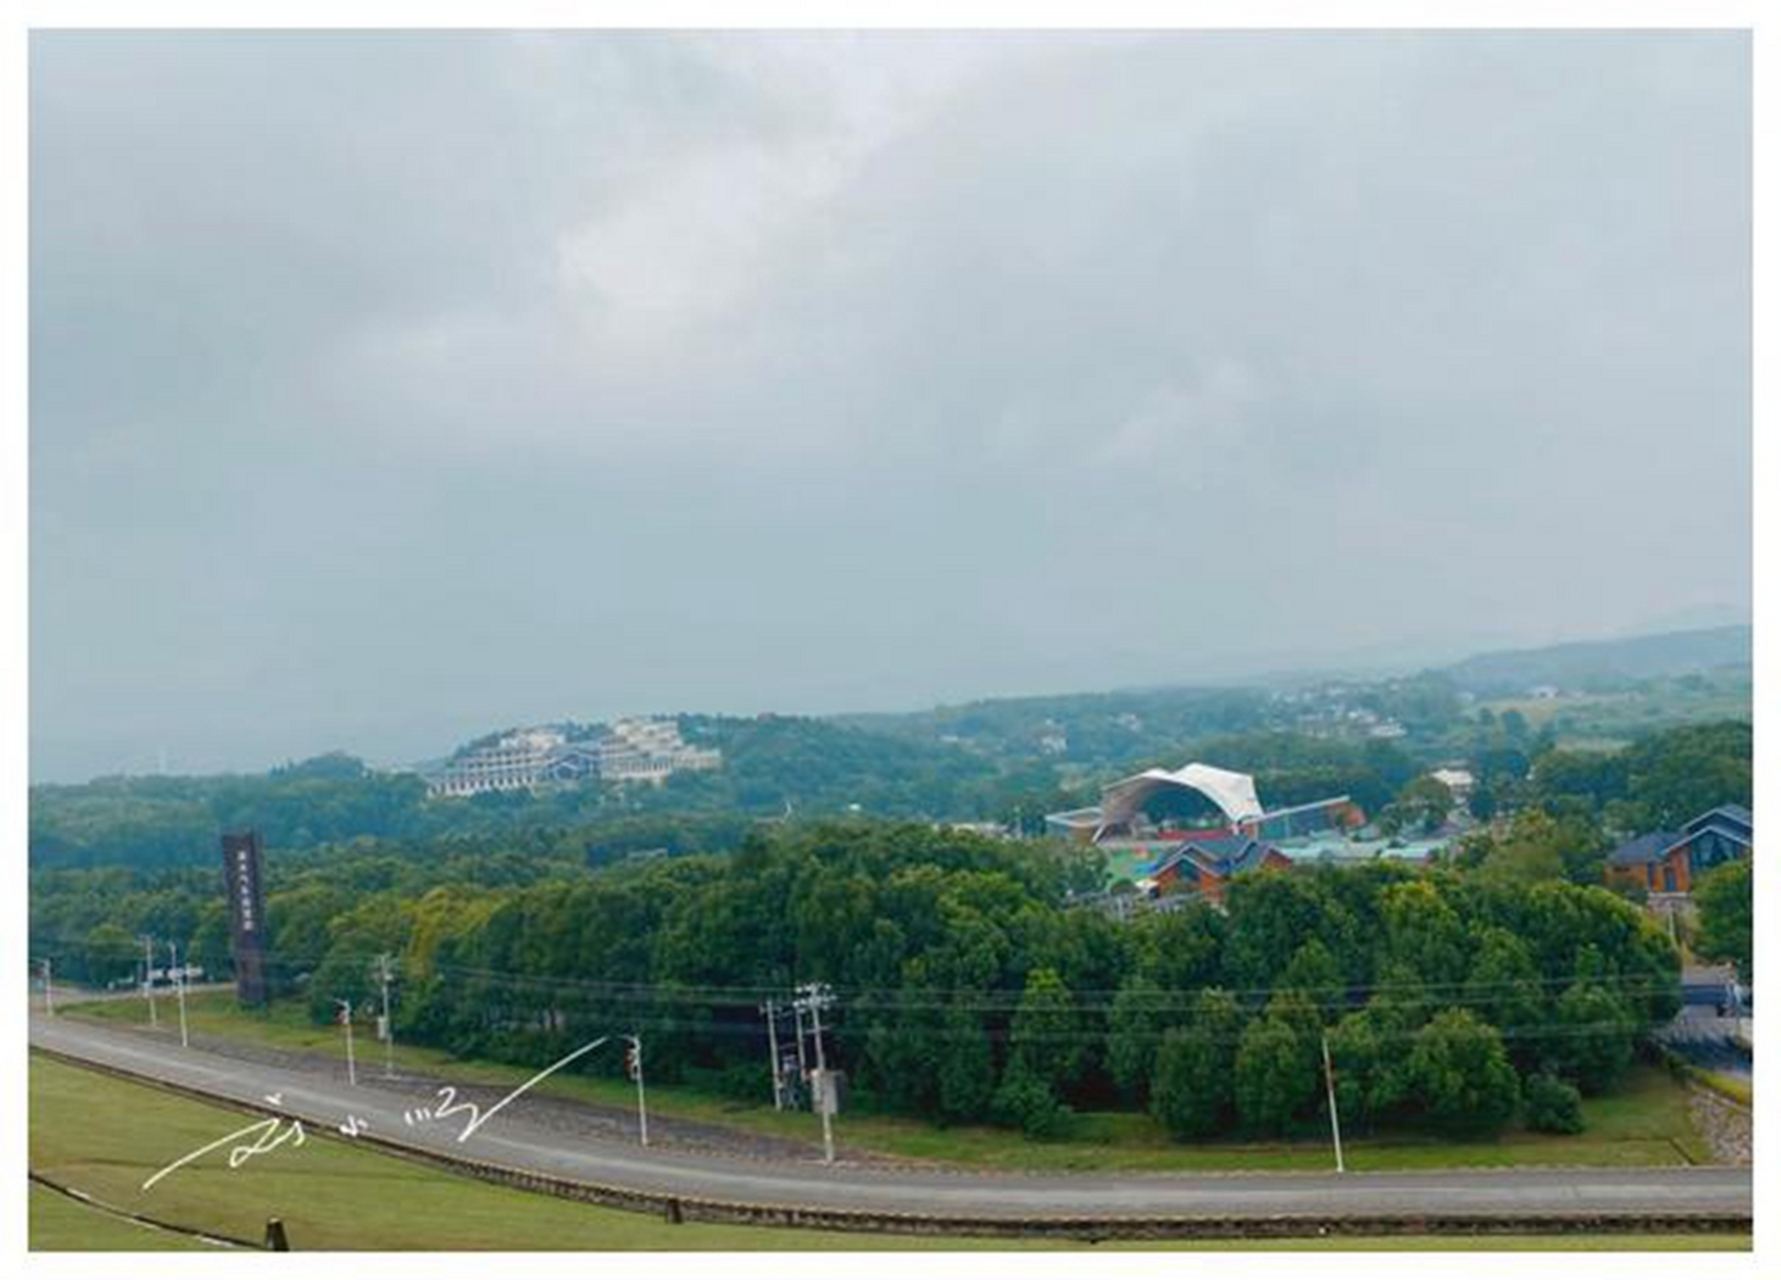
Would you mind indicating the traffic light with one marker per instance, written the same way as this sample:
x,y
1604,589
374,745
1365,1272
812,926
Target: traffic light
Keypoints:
x,y
633,1063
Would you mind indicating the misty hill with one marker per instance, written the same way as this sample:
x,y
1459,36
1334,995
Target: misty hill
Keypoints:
x,y
983,759
772,764
1602,666
1090,728
1423,712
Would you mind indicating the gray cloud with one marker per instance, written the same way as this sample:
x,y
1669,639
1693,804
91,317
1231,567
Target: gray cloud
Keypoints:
x,y
387,387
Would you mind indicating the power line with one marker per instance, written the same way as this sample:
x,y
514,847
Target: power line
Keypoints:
x,y
862,1035
942,999
916,1002
1469,995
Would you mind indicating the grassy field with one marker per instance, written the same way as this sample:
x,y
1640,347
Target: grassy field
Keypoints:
x,y
1608,721
59,1223
1646,1122
105,1136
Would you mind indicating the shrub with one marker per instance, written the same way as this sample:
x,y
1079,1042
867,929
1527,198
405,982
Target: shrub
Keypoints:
x,y
1026,1100
1190,1091
1549,1105
1276,1075
1592,1044
1460,1076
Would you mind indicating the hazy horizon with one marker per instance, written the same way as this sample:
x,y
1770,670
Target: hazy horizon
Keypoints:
x,y
388,388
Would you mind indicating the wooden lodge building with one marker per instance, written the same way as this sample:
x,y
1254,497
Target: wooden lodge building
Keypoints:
x,y
1667,863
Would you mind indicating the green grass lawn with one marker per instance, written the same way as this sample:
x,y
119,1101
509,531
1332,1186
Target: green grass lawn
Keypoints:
x,y
105,1136
59,1223
1645,1122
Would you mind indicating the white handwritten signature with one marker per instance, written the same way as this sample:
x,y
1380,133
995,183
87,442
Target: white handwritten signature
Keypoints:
x,y
450,1106
270,1138
269,1135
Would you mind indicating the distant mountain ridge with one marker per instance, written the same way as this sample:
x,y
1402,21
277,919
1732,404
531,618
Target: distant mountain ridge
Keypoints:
x,y
1114,726
1599,664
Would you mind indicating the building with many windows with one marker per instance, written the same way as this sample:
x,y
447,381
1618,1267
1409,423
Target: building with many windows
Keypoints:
x,y
526,759
516,761
651,751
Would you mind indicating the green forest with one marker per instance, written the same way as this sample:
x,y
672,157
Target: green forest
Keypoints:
x,y
775,767
968,984
975,977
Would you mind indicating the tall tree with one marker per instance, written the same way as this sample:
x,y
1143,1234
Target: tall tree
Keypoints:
x,y
1459,1074
1047,1038
967,1066
1194,1085
1135,1025
1723,898
1276,1075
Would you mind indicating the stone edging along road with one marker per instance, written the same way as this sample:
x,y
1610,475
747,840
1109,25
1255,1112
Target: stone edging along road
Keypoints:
x,y
1140,1206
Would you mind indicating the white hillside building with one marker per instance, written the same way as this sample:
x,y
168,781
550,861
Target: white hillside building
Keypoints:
x,y
516,761
650,751
525,759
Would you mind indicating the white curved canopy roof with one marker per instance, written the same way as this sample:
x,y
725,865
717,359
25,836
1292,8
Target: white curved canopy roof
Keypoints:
x,y
1233,793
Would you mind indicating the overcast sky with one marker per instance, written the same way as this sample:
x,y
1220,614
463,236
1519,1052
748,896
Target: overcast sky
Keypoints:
x,y
391,388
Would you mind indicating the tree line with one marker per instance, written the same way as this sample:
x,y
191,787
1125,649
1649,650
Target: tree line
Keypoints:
x,y
774,766
970,987
972,983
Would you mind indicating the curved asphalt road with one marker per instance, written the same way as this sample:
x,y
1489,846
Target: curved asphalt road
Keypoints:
x,y
509,1139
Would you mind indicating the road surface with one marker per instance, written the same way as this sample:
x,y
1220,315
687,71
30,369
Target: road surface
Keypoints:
x,y
511,1139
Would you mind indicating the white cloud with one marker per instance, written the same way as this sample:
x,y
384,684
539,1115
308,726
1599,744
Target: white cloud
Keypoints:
x,y
827,354
1201,426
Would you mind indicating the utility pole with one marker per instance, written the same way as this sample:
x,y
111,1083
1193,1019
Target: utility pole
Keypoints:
x,y
179,989
816,997
352,1073
49,996
1329,1084
389,1028
798,1030
634,1061
148,978
772,1013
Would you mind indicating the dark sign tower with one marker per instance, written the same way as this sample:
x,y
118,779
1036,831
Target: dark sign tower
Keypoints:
x,y
247,914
